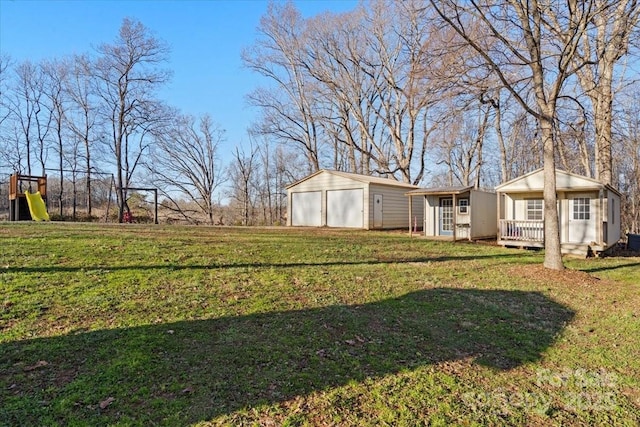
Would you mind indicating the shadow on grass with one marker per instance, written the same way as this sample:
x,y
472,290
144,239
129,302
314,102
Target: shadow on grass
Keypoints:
x,y
213,265
609,267
190,371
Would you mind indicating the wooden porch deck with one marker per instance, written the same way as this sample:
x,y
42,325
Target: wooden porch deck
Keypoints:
x,y
530,234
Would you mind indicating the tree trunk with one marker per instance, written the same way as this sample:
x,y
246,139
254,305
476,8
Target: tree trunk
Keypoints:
x,y
497,124
602,105
482,128
88,182
552,249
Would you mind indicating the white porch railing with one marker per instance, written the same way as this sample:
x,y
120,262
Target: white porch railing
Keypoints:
x,y
528,231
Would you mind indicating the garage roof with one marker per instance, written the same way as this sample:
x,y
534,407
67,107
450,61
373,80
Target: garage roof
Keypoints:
x,y
358,177
439,190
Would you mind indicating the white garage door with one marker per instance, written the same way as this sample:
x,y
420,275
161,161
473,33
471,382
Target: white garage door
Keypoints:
x,y
306,209
344,208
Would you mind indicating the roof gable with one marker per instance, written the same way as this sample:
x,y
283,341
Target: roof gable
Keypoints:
x,y
565,181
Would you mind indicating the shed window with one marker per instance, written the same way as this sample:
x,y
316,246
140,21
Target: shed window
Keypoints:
x,y
582,208
534,210
463,206
613,211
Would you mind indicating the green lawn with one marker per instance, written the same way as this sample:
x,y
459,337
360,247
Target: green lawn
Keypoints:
x,y
168,325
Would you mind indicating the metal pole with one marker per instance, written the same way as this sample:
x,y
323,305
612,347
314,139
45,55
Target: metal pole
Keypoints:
x,y
155,192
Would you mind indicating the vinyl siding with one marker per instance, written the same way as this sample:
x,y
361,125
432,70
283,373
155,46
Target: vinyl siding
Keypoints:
x,y
483,214
395,207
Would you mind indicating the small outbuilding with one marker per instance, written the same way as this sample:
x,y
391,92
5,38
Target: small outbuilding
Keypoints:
x,y
588,212
330,198
457,213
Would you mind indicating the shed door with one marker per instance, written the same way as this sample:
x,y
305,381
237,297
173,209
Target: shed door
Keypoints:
x,y
306,209
345,208
446,216
377,211
582,219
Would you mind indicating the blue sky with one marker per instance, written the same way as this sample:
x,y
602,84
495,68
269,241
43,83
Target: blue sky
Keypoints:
x,y
206,39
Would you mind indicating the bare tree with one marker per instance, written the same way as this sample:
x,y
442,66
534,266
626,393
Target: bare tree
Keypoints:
x,y
533,46
32,111
288,111
266,188
273,172
243,173
128,72
498,105
575,147
7,157
82,115
5,112
43,114
335,57
24,107
461,144
523,145
57,72
354,83
601,49
185,163
400,40
627,155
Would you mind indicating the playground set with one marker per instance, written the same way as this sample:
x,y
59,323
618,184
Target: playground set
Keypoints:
x,y
25,206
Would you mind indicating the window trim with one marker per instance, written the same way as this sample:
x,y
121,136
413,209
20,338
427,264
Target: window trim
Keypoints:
x,y
465,205
613,211
529,210
581,211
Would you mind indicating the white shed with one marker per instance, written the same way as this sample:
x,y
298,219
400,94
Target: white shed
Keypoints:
x,y
340,199
458,213
588,212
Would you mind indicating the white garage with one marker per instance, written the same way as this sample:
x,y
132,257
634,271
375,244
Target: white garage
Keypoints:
x,y
346,200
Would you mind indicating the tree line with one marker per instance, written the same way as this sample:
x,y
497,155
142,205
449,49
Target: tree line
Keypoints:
x,y
422,91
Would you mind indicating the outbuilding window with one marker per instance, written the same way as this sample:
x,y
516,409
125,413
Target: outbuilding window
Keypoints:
x,y
534,210
582,208
613,211
463,206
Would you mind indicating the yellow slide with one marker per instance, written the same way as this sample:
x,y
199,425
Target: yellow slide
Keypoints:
x,y
37,207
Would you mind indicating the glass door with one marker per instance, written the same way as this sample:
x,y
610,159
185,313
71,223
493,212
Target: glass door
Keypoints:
x,y
446,216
